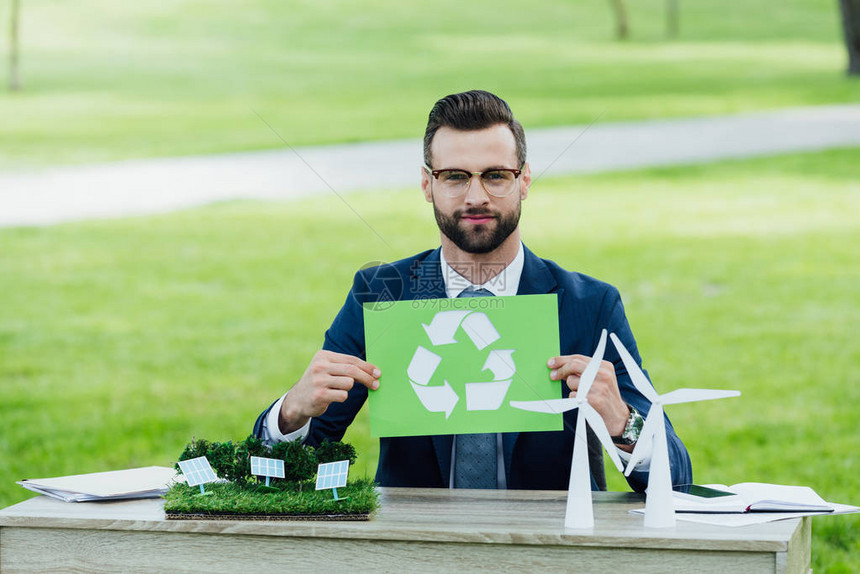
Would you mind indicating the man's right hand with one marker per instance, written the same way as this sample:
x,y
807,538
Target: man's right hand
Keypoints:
x,y
327,380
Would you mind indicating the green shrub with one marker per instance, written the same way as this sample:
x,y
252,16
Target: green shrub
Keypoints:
x,y
233,461
196,448
222,457
334,451
300,461
251,446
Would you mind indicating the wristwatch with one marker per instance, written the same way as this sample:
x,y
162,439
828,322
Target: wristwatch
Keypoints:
x,y
632,430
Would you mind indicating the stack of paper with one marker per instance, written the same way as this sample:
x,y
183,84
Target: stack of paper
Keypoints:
x,y
147,482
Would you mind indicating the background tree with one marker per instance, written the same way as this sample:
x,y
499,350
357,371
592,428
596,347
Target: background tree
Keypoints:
x,y
851,26
673,20
14,41
619,10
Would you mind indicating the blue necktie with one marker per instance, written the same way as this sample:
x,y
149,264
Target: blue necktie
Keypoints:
x,y
475,463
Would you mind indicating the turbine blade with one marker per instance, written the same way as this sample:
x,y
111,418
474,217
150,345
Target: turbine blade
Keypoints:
x,y
693,395
646,437
553,406
590,372
598,425
640,381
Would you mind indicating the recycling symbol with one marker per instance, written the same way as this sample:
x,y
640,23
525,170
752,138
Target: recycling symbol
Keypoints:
x,y
480,395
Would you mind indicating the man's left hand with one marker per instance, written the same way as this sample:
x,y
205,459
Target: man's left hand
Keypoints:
x,y
604,395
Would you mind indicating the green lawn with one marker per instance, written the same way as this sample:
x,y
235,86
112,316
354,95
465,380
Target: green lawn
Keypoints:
x,y
109,80
122,339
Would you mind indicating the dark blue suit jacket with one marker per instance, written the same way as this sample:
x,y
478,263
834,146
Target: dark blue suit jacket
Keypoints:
x,y
533,460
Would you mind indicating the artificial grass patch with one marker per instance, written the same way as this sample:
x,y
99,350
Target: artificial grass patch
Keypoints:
x,y
283,500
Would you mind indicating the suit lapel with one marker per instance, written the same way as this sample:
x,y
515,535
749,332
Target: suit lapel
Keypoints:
x,y
536,278
425,279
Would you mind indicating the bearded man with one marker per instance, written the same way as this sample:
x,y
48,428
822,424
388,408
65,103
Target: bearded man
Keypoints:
x,y
473,136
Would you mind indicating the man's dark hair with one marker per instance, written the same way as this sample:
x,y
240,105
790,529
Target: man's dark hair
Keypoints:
x,y
473,110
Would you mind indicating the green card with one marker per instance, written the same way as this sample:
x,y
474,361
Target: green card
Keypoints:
x,y
452,366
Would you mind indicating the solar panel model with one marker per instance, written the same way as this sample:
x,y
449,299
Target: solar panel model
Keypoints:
x,y
198,471
268,467
332,475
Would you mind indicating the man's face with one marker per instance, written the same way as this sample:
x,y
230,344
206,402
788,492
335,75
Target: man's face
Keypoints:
x,y
476,222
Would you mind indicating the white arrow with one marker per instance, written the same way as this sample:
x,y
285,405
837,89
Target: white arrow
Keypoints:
x,y
437,399
480,330
501,363
486,396
422,366
443,326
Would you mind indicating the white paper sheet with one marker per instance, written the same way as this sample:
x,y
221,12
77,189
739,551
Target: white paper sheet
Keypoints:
x,y
146,482
735,520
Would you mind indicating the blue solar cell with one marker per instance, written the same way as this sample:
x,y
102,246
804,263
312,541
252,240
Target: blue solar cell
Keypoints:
x,y
197,471
261,466
332,474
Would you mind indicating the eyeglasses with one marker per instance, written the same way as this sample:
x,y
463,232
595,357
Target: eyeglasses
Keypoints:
x,y
498,182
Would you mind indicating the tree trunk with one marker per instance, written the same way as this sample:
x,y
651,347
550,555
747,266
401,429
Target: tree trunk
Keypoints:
x,y
673,22
14,72
851,25
622,30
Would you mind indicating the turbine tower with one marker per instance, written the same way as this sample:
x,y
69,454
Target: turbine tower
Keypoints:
x,y
580,512
659,503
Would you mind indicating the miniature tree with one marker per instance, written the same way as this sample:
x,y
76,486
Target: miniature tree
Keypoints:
x,y
335,451
197,447
251,446
300,461
222,457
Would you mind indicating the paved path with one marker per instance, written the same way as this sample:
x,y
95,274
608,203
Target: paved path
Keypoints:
x,y
159,185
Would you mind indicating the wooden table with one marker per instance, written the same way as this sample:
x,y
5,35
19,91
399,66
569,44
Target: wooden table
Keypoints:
x,y
416,530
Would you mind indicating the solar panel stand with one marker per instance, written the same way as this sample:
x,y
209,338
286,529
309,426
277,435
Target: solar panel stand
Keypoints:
x,y
267,480
201,489
334,491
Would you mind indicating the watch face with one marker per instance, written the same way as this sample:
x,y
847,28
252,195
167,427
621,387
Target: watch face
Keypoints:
x,y
631,433
634,425
632,430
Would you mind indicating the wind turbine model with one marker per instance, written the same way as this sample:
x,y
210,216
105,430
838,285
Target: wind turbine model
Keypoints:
x,y
659,504
580,513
